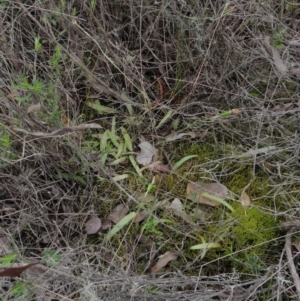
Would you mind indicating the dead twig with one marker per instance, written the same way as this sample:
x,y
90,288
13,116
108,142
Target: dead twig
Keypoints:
x,y
289,255
60,132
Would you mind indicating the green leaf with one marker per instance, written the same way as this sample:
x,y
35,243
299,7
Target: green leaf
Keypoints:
x,y
217,199
73,177
137,169
114,139
113,125
183,160
166,117
120,149
118,161
120,177
210,245
127,139
8,259
120,225
103,141
104,158
100,108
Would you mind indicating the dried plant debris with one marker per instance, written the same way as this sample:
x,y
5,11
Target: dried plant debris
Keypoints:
x,y
178,136
118,212
178,209
274,53
245,199
16,271
93,225
197,192
148,243
60,132
140,216
158,166
163,261
147,153
106,224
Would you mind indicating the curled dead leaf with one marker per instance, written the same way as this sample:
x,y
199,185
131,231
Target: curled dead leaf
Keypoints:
x,y
195,191
245,199
93,225
178,209
163,261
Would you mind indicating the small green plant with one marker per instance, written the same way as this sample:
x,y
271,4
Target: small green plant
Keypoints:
x,y
92,4
8,259
277,38
51,258
253,264
5,144
19,291
37,44
150,225
56,59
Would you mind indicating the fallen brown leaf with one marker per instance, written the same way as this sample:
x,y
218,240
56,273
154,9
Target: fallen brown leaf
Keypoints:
x,y
16,271
118,212
33,108
65,120
245,200
178,209
140,216
147,152
106,224
163,261
93,225
158,166
195,190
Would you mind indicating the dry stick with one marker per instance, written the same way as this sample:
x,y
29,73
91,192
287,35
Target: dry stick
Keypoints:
x,y
288,250
60,132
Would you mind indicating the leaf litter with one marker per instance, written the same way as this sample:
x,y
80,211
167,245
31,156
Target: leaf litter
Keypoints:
x,y
178,209
93,225
163,261
146,154
245,199
197,192
118,212
274,53
16,271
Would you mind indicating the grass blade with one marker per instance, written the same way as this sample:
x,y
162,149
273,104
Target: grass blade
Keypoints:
x,y
166,117
137,169
217,199
120,225
183,160
127,139
209,245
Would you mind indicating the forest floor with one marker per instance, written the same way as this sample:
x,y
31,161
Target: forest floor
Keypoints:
x,y
149,150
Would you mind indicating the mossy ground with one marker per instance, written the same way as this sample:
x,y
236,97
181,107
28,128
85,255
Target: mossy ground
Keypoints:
x,y
245,235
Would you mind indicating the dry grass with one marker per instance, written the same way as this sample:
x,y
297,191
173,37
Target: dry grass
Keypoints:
x,y
142,59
